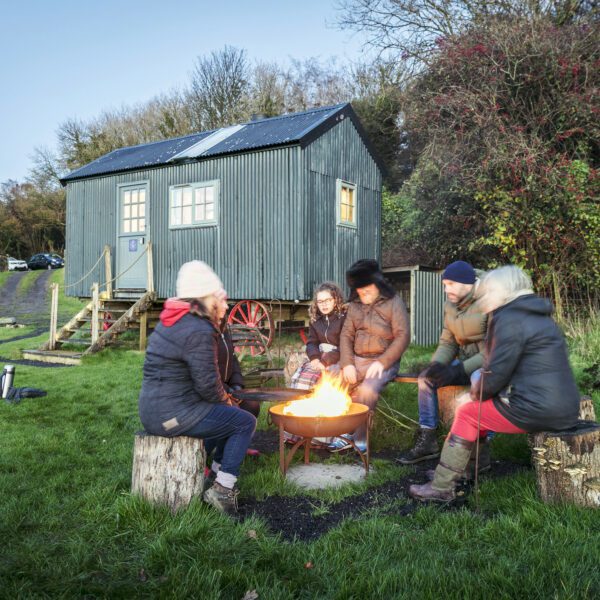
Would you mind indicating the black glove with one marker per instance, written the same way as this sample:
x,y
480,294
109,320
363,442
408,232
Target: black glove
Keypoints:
x,y
434,370
448,375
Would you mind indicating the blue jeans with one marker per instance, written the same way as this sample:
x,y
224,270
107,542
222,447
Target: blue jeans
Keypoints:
x,y
367,392
428,400
227,430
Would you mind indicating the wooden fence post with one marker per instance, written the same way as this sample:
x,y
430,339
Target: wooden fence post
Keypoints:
x,y
108,271
95,315
53,317
143,330
150,283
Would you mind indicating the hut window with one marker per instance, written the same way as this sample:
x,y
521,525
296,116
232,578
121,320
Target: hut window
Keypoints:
x,y
346,203
193,204
133,210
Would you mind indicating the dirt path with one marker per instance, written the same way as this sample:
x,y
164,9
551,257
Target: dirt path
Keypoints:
x,y
33,308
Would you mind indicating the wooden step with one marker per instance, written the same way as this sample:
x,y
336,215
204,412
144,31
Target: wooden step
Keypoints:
x,y
90,319
59,357
75,341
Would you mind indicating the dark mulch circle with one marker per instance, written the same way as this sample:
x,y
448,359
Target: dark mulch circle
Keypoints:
x,y
294,516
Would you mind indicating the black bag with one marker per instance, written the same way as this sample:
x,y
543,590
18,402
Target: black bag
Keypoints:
x,y
15,395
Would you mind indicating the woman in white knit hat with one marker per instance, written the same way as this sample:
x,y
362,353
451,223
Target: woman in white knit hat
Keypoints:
x,y
182,392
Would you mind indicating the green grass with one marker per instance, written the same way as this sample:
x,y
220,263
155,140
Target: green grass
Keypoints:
x,y
70,528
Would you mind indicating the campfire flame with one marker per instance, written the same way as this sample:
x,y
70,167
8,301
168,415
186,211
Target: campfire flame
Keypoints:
x,y
329,399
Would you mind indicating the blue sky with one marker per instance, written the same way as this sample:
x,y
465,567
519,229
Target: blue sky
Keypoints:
x,y
64,59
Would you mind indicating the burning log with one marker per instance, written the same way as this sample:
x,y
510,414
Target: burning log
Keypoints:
x,y
168,470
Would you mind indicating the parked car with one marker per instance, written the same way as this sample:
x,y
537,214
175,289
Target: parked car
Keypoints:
x,y
45,261
14,264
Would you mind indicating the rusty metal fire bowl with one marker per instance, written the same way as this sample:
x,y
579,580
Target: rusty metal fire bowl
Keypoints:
x,y
315,427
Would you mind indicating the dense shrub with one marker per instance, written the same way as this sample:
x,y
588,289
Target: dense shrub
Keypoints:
x,y
506,118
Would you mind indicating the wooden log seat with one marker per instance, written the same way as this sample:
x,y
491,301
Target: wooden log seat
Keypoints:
x,y
168,470
449,398
294,360
567,465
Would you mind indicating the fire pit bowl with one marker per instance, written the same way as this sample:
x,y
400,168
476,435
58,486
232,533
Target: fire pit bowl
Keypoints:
x,y
306,428
309,427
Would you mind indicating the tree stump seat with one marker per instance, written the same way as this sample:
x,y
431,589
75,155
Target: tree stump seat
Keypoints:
x,y
449,398
567,463
168,470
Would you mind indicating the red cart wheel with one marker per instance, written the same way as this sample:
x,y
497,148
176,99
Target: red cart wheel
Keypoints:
x,y
252,313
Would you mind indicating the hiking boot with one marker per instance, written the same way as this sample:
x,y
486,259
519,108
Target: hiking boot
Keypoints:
x,y
453,462
222,498
426,447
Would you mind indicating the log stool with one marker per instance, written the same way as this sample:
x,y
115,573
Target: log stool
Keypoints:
x,y
448,400
168,470
567,463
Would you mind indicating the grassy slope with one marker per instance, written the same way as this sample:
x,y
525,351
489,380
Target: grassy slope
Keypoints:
x,y
70,528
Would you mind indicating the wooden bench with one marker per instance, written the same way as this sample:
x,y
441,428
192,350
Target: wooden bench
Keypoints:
x,y
168,470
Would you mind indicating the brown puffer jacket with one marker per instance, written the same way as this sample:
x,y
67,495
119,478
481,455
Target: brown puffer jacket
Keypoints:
x,y
380,330
463,334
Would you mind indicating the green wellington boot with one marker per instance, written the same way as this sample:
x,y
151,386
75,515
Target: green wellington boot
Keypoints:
x,y
485,462
453,462
485,459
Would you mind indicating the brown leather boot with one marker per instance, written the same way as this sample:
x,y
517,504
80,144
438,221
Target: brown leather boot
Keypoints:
x,y
453,461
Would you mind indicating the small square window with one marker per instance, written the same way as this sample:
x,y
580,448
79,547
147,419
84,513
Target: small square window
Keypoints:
x,y
346,203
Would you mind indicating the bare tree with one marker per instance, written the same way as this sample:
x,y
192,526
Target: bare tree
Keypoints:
x,y
219,89
412,28
269,89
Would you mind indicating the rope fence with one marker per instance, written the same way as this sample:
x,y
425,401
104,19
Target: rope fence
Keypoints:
x,y
106,283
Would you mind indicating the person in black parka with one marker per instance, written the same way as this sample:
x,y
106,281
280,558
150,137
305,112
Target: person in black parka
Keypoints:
x,y
527,383
182,389
230,370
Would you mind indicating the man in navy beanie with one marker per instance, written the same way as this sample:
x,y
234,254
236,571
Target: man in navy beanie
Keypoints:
x,y
458,358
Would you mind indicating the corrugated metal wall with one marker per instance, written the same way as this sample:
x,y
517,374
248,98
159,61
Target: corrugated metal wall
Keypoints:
x,y
427,307
339,154
276,228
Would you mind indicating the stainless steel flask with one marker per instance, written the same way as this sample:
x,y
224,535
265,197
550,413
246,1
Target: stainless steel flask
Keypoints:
x,y
8,376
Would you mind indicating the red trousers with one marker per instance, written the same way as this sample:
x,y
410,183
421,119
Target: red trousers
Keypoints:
x,y
465,421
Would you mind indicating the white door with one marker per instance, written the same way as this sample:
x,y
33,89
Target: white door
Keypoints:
x,y
132,238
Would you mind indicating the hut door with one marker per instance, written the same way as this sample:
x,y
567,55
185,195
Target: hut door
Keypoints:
x,y
132,238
